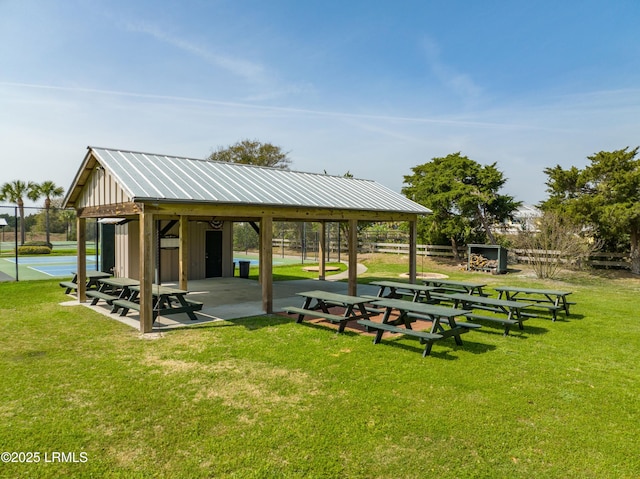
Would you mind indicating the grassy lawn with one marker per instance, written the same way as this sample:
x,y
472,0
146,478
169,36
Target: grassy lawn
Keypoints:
x,y
263,397
296,271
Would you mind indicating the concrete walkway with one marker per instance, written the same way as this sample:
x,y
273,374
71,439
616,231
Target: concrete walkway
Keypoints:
x,y
345,274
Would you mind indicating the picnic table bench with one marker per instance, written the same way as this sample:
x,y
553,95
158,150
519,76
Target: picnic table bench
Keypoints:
x,y
425,337
398,290
509,312
92,281
409,312
166,301
355,307
110,289
549,299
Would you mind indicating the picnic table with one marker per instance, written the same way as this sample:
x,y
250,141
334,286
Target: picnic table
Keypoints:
x,y
110,289
449,285
509,312
409,312
550,299
354,307
397,290
92,281
166,301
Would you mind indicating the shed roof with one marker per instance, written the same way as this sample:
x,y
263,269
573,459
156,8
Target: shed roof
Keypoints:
x,y
154,177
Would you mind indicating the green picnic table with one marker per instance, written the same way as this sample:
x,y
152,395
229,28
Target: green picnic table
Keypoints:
x,y
509,312
453,286
354,307
166,301
110,289
409,312
550,299
398,289
92,277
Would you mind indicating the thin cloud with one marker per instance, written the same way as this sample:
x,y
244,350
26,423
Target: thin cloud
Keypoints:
x,y
460,83
250,71
279,110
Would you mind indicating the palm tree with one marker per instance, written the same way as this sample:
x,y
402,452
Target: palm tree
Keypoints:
x,y
49,190
14,192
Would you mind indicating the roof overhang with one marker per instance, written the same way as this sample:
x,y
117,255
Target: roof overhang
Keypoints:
x,y
80,180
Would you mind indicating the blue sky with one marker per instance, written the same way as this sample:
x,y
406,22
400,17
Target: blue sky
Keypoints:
x,y
369,87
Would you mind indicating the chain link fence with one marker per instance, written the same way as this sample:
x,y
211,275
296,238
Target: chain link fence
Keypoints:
x,y
40,244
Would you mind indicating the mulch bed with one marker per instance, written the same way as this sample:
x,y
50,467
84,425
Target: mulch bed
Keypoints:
x,y
354,327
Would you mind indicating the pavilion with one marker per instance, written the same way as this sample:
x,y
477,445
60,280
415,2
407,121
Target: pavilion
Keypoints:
x,y
193,203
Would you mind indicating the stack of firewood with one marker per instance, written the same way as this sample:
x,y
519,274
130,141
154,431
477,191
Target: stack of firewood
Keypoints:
x,y
479,262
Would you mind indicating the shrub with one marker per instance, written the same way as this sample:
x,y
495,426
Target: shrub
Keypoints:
x,y
556,243
31,249
38,243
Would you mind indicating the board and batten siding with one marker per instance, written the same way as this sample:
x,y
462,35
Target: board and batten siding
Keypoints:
x,y
121,269
127,246
169,258
102,189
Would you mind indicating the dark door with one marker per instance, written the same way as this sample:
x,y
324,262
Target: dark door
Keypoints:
x,y
213,254
107,247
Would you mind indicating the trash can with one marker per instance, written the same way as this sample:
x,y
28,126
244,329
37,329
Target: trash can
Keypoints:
x,y
244,268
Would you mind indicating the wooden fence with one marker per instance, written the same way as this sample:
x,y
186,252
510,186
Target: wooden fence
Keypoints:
x,y
596,260
421,249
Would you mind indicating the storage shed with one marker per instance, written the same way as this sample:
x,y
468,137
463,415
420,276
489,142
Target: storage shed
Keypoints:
x,y
495,255
185,208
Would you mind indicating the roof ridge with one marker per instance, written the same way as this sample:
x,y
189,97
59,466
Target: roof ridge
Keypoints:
x,y
120,150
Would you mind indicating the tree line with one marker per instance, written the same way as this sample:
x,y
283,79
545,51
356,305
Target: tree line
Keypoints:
x,y
598,205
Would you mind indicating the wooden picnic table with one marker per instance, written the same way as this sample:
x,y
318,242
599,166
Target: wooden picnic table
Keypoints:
x,y
354,307
449,285
397,290
110,289
166,301
550,299
511,309
409,312
92,280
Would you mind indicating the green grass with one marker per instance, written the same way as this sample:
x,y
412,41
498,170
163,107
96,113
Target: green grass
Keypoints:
x,y
264,397
295,271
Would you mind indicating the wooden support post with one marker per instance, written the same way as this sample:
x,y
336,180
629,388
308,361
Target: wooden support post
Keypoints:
x,y
322,246
81,279
183,252
147,262
353,258
260,240
413,249
266,263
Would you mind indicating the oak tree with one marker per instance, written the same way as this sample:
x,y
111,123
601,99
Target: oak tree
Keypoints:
x,y
252,152
463,195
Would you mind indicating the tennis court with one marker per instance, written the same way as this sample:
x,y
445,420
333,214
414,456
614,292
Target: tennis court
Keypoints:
x,y
43,267
46,267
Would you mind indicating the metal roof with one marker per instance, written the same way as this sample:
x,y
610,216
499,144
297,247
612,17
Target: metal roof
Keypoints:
x,y
153,177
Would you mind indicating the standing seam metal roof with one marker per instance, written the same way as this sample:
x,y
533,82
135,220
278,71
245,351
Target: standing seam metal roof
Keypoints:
x,y
148,176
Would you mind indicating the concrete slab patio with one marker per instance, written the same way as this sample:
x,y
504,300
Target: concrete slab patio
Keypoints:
x,y
231,298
